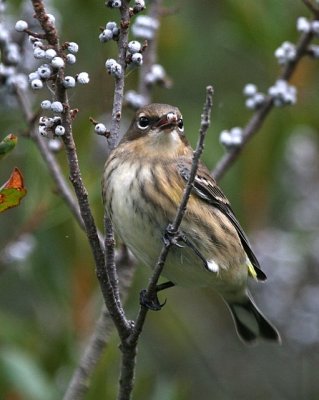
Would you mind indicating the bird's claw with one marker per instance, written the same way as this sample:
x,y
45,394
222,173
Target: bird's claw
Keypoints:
x,y
150,301
172,237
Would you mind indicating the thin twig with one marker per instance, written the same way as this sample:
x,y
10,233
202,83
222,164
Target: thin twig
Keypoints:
x,y
80,381
114,307
314,9
112,140
150,58
258,118
129,346
51,162
205,121
120,81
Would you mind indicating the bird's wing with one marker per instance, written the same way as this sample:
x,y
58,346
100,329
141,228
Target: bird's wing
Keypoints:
x,y
206,188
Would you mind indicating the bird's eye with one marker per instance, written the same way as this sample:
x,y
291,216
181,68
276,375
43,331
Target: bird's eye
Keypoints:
x,y
180,125
143,122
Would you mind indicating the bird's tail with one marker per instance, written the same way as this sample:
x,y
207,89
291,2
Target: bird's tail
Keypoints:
x,y
250,322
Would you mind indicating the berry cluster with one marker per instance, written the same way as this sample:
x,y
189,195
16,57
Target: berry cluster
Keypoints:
x,y
11,58
283,93
110,32
232,138
254,98
145,27
305,25
134,99
54,61
51,125
285,53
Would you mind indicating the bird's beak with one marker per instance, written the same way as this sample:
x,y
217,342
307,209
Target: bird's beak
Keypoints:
x,y
167,121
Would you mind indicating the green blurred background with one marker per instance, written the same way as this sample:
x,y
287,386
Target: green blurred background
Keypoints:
x,y
49,297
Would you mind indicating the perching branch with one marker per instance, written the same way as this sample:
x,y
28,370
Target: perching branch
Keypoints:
x,y
129,346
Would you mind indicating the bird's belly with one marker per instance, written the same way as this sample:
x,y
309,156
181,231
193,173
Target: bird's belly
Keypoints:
x,y
131,215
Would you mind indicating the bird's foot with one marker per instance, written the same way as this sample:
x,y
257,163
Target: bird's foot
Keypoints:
x,y
173,237
150,300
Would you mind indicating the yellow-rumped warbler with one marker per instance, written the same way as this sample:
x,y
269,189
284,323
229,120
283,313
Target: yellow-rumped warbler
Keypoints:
x,y
142,186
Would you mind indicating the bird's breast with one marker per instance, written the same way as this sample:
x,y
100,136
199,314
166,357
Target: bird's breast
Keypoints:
x,y
128,185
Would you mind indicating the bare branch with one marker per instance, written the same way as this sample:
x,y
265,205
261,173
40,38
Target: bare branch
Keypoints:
x,y
312,8
97,343
258,118
120,81
114,306
113,139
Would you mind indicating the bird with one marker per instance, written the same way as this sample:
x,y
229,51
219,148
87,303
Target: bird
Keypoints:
x,y
142,186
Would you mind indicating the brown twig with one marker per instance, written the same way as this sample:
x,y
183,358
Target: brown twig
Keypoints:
x,y
113,138
114,307
120,81
80,381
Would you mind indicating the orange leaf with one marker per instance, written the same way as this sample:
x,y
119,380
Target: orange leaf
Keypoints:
x,y
12,191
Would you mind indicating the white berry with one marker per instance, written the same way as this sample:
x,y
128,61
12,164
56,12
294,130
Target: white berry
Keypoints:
x,y
57,62
73,47
137,58
59,130
83,78
111,25
51,18
113,67
55,145
36,84
139,5
46,104
100,128
44,71
315,26
70,59
43,130
250,89
33,76
37,43
113,3
303,24
106,35
57,107
38,53
134,46
69,82
21,26
50,53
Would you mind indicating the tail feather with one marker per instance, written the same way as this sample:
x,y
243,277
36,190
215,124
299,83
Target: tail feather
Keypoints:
x,y
250,323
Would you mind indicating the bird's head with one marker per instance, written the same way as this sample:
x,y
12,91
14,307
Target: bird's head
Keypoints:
x,y
159,128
